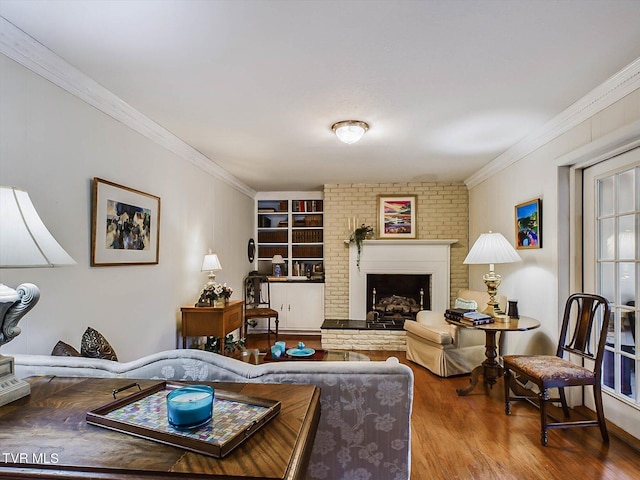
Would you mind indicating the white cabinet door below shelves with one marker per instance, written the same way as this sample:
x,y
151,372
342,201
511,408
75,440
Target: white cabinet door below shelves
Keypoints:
x,y
300,305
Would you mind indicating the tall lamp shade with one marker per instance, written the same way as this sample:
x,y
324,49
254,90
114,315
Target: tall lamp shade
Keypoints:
x,y
491,248
25,242
24,239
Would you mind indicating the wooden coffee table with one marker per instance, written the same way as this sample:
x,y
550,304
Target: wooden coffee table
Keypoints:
x,y
45,435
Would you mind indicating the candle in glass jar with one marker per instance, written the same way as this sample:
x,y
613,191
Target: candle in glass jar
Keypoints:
x,y
282,346
190,407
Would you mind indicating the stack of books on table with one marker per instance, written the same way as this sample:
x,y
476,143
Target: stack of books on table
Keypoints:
x,y
476,318
456,314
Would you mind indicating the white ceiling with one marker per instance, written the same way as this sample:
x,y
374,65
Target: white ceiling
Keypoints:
x,y
255,85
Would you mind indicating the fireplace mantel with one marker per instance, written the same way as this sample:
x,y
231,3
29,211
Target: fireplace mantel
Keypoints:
x,y
400,257
410,242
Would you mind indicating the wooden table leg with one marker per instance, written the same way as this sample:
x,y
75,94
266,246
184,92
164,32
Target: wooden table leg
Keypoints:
x,y
473,381
491,370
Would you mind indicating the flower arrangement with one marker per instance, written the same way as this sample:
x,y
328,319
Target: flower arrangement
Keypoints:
x,y
358,236
215,291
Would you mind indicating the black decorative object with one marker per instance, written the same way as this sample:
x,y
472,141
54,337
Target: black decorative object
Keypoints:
x,y
251,250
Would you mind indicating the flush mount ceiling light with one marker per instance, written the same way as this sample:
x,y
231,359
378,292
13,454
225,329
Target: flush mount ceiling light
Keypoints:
x,y
350,131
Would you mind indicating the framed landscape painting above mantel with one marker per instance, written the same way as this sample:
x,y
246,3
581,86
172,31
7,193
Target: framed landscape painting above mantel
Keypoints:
x,y
397,216
125,225
529,224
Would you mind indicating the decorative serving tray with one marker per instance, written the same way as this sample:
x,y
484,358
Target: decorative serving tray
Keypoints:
x,y
317,356
144,414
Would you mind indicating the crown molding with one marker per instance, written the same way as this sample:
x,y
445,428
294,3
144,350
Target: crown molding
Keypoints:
x,y
616,87
608,146
20,47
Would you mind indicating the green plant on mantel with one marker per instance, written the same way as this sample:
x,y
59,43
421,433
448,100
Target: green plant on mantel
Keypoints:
x,y
358,237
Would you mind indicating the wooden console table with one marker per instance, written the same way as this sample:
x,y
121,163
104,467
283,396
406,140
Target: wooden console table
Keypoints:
x,y
211,321
45,435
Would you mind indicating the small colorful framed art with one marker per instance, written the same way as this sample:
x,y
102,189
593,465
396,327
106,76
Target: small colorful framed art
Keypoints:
x,y
529,224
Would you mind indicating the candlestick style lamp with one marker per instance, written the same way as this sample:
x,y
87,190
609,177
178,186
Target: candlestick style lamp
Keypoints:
x,y
492,248
277,262
211,263
25,242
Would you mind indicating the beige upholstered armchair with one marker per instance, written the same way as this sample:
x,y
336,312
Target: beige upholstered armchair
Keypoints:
x,y
446,349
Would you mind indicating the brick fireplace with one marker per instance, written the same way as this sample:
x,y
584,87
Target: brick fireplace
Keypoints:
x,y
424,257
397,257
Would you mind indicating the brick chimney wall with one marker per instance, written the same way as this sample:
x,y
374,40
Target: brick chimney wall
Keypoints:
x,y
442,213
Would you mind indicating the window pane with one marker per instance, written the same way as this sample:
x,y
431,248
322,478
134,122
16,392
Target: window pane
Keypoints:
x,y
626,192
627,279
607,239
605,196
607,280
608,368
627,376
626,237
627,331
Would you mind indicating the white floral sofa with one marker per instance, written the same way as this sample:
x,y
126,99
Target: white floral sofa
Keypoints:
x,y
365,423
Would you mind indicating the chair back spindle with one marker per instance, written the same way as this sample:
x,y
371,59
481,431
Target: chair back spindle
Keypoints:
x,y
585,307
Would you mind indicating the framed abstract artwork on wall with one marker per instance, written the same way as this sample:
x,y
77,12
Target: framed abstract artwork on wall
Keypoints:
x,y
397,216
529,224
125,225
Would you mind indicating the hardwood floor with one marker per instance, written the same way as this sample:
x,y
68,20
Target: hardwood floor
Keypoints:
x,y
471,437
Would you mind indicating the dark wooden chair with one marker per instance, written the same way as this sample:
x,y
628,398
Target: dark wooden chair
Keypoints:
x,y
581,312
257,304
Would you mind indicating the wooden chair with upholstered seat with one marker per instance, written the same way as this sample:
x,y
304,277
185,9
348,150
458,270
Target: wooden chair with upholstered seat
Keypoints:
x,y
257,303
586,318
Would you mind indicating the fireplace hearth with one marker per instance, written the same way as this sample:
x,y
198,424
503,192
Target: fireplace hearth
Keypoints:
x,y
387,323
344,325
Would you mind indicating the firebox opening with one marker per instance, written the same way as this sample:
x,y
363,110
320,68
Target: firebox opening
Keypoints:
x,y
394,298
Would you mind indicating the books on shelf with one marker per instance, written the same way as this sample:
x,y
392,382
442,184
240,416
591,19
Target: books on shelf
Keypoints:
x,y
301,206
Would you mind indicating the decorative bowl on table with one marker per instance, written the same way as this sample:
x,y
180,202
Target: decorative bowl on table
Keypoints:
x,y
301,352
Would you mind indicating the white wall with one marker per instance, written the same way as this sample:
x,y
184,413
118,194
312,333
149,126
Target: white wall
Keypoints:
x,y
52,144
539,283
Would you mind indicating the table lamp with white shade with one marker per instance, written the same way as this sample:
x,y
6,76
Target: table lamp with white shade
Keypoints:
x,y
211,264
277,261
25,242
491,248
